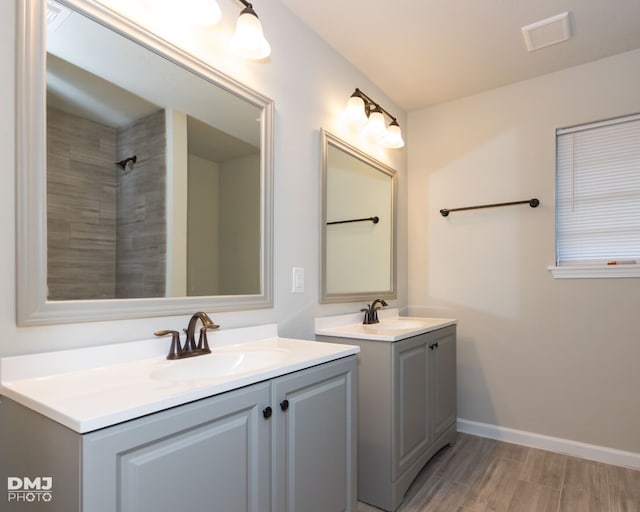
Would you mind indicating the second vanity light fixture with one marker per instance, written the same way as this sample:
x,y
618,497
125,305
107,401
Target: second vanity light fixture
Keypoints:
x,y
362,110
248,41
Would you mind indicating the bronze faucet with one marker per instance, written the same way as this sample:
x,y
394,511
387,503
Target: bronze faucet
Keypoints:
x,y
371,312
190,348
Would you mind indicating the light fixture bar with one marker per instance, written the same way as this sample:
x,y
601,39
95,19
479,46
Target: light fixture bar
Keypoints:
x,y
369,103
390,136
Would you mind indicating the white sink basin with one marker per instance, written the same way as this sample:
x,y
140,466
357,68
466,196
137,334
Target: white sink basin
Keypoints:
x,y
217,364
395,325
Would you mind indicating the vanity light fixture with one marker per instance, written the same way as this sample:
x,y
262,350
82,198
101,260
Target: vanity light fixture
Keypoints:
x,y
362,110
248,40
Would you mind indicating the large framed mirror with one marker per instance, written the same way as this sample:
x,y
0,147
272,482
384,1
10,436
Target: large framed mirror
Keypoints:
x,y
358,224
144,180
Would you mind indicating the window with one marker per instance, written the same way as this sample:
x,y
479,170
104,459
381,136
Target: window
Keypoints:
x,y
598,199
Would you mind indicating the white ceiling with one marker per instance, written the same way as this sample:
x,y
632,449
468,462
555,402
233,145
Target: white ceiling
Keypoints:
x,y
424,52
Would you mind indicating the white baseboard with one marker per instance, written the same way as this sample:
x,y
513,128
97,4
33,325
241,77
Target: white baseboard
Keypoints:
x,y
552,444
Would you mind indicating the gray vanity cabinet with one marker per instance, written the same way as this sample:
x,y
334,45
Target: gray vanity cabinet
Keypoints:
x,y
406,410
285,444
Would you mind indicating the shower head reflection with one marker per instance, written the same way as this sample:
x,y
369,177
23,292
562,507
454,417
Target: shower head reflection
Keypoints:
x,y
127,163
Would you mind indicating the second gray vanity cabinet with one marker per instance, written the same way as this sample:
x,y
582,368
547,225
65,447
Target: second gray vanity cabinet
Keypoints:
x,y
209,455
424,373
406,410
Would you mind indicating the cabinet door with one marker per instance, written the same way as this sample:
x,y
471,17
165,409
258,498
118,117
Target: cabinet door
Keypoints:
x,y
210,455
411,402
36,447
314,453
442,368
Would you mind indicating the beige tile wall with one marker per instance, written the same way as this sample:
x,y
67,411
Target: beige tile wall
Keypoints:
x,y
81,195
141,226
106,226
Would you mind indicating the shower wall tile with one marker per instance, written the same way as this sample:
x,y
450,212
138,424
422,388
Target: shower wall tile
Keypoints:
x,y
81,196
105,225
141,207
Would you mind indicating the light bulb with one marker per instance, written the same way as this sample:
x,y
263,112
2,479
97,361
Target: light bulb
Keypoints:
x,y
375,126
393,138
354,112
248,40
203,12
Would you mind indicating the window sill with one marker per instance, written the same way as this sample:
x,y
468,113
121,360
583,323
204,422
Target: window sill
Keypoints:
x,y
594,271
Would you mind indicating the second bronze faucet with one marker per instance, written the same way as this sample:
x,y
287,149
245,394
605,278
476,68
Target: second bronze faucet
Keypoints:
x,y
371,312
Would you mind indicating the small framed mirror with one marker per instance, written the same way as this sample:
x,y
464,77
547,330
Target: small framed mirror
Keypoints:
x,y
358,224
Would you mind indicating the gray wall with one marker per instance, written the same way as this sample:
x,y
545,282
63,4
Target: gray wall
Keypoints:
x,y
239,243
223,225
203,237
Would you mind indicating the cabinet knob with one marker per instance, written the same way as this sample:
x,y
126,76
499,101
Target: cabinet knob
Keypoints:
x,y
433,346
284,405
266,412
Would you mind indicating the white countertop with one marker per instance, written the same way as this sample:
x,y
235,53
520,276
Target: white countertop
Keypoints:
x,y
391,327
91,388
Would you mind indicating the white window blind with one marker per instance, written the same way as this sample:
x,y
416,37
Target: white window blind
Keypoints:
x,y
598,192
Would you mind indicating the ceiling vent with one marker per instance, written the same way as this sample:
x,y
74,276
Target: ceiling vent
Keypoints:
x,y
547,32
56,14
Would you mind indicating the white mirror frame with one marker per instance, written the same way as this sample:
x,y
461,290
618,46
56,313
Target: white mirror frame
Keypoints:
x,y
33,307
326,297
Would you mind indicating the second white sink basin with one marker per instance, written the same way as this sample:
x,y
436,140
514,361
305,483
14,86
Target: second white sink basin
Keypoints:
x,y
391,327
217,364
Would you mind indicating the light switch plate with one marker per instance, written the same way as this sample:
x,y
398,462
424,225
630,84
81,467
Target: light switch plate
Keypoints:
x,y
297,285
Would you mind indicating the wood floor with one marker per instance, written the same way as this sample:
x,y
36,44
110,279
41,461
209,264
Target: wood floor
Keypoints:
x,y
480,475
